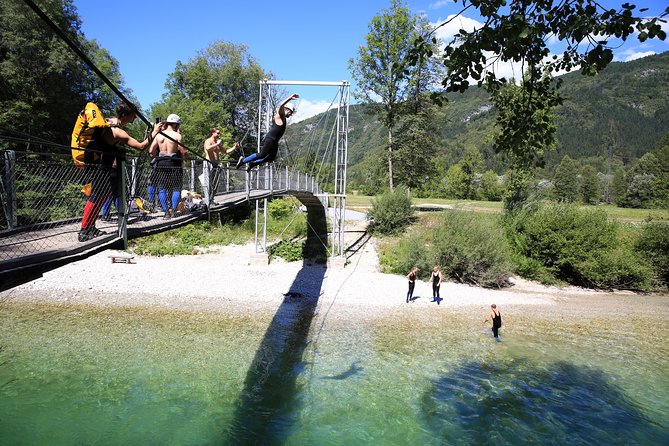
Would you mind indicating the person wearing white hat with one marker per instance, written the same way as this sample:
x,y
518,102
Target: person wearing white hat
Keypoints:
x,y
169,167
270,144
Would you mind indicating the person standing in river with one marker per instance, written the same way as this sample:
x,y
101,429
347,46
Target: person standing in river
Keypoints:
x,y
496,317
411,277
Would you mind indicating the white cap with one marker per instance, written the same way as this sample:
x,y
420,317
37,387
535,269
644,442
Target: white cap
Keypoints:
x,y
173,119
290,106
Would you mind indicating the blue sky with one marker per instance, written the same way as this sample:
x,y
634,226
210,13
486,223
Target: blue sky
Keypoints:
x,y
301,40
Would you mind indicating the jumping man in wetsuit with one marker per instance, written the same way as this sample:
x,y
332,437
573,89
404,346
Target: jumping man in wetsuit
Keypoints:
x,y
496,317
270,144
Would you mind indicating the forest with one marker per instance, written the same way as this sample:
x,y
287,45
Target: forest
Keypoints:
x,y
606,125
612,127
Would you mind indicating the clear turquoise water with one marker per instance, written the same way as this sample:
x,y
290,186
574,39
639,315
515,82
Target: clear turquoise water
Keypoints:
x,y
80,375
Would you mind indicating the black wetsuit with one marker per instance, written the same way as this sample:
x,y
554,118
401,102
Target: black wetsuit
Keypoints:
x,y
104,181
435,286
496,323
270,145
412,284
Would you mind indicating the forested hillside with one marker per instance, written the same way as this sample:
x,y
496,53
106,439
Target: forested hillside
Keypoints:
x,y
625,109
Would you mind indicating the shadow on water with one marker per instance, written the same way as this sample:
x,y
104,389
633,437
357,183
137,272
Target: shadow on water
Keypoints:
x,y
353,370
267,409
517,403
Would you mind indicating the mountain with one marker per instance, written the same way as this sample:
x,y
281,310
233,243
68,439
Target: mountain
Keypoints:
x,y
624,109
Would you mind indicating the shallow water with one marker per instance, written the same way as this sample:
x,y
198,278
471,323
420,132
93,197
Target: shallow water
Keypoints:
x,y
87,375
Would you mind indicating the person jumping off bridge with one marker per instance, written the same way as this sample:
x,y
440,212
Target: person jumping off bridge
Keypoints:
x,y
270,144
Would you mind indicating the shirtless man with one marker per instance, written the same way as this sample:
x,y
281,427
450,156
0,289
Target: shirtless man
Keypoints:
x,y
213,146
170,162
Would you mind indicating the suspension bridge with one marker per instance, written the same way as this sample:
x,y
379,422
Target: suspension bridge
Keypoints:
x,y
43,193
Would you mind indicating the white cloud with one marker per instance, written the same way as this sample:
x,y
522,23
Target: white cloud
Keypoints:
x,y
634,55
306,109
439,4
446,32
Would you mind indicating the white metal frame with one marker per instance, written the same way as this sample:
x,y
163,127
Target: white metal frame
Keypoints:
x,y
339,206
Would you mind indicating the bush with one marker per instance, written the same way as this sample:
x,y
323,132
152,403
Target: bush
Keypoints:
x,y
468,247
399,258
578,246
280,208
392,212
653,244
472,248
287,250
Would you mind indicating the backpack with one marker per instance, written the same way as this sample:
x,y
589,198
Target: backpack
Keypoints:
x,y
88,130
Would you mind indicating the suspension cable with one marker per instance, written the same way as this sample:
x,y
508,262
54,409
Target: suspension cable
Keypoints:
x,y
97,71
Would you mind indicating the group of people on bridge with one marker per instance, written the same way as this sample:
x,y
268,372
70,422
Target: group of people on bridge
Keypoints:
x,y
167,152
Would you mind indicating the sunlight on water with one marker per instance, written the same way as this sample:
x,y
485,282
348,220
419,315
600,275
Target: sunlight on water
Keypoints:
x,y
79,375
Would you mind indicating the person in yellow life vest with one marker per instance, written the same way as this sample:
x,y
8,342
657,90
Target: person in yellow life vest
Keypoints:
x,y
103,182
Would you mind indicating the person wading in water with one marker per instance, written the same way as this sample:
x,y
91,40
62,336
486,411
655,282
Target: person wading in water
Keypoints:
x,y
496,317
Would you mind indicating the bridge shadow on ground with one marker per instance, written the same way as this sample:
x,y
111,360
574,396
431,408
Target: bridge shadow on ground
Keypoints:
x,y
267,409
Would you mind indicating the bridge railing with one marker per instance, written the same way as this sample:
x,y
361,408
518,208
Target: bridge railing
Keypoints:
x,y
43,197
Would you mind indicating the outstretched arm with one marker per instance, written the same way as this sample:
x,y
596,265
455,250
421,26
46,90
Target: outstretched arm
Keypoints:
x,y
282,110
122,136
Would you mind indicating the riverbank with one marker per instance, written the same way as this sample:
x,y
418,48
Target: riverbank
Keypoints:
x,y
226,281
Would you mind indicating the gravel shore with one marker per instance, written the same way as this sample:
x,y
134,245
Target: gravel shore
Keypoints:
x,y
226,281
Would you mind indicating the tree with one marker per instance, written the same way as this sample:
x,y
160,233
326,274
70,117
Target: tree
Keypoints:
x,y
414,150
381,70
589,187
43,83
619,186
490,189
471,165
566,181
645,188
520,32
662,154
457,182
218,87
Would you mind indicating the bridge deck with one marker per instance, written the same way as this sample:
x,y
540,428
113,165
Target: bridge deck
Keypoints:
x,y
26,254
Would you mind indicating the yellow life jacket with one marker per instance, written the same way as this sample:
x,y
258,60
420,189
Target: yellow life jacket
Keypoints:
x,y
87,134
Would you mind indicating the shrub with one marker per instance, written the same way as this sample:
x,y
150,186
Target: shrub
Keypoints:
x,y
391,212
472,248
653,244
281,208
469,247
399,258
579,246
287,250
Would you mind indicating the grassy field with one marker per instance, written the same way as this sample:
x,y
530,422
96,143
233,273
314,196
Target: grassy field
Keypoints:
x,y
362,202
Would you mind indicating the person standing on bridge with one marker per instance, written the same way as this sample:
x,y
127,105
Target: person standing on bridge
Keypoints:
x,y
103,183
169,168
213,146
270,144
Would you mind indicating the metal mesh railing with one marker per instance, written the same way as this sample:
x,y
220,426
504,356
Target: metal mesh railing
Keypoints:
x,y
43,197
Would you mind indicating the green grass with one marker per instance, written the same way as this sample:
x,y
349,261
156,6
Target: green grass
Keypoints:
x,y
362,202
198,237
